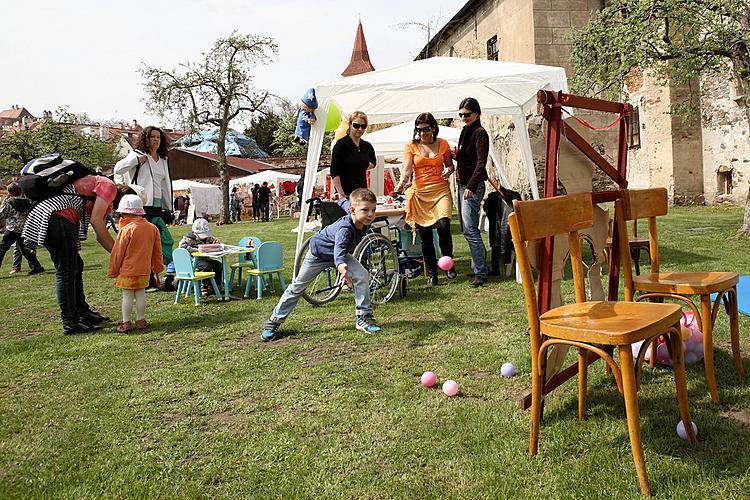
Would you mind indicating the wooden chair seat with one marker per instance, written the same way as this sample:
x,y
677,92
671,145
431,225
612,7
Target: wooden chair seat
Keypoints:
x,y
686,283
592,327
682,286
609,323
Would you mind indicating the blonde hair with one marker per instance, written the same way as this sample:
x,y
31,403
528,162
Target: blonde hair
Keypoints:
x,y
356,114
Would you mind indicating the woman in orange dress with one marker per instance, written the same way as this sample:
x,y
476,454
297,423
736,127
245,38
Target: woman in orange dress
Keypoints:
x,y
428,201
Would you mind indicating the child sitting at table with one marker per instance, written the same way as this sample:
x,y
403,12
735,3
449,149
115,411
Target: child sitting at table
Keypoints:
x,y
334,244
201,235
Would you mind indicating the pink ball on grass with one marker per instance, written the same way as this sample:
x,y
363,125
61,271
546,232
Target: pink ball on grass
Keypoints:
x,y
507,370
682,432
450,388
428,379
445,263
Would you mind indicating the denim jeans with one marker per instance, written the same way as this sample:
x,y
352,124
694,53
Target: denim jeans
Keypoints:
x,y
11,238
311,267
469,210
62,244
17,255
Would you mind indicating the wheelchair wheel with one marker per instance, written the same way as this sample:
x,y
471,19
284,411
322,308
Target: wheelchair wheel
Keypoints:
x,y
402,285
378,255
326,285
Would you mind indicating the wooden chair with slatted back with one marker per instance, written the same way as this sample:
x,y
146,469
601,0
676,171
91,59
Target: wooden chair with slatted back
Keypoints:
x,y
591,326
637,245
656,285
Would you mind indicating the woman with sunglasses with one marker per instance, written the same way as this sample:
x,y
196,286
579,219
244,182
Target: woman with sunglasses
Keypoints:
x,y
428,201
471,160
351,158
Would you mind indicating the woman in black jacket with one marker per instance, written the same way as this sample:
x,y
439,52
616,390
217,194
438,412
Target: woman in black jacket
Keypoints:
x,y
471,161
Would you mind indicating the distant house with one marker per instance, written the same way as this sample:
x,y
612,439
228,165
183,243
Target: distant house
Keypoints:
x,y
186,164
15,117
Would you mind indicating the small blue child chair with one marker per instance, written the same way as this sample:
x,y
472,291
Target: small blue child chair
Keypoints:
x,y
269,260
244,260
188,278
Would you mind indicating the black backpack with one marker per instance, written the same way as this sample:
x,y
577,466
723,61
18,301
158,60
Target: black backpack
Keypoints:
x,y
46,176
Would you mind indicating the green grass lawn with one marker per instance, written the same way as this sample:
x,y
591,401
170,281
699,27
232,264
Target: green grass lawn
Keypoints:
x,y
199,406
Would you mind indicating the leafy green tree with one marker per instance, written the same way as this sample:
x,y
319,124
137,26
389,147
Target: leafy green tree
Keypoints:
x,y
283,137
673,40
19,147
262,128
213,92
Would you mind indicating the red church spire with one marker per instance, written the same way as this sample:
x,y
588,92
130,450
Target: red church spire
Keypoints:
x,y
360,62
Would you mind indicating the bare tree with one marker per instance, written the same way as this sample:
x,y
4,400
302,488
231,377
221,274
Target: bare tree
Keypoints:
x,y
213,92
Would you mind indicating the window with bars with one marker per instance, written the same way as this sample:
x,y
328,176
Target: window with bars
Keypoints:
x,y
634,134
492,50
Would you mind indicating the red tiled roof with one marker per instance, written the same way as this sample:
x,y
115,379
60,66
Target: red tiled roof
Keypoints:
x,y
13,113
248,164
360,62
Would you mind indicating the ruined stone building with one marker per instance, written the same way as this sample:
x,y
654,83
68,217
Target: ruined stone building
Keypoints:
x,y
703,156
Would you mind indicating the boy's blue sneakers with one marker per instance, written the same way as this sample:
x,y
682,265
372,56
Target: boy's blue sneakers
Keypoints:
x,y
367,324
269,330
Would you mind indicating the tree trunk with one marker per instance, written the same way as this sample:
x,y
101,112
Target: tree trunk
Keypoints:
x,y
223,173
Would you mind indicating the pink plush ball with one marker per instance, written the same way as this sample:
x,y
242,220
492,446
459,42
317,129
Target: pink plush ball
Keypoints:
x,y
507,370
450,388
445,263
682,432
428,379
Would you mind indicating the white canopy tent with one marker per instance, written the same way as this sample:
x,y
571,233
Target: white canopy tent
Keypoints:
x,y
206,198
270,176
391,141
436,85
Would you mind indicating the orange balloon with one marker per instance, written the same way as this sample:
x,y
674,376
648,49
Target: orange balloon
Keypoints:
x,y
341,131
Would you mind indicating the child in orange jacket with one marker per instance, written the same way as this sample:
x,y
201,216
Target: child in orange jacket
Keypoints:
x,y
136,254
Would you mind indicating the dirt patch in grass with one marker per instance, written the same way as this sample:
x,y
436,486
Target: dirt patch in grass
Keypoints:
x,y
480,374
741,416
228,418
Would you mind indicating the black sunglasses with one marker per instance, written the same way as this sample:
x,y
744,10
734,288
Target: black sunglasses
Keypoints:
x,y
465,115
359,125
423,130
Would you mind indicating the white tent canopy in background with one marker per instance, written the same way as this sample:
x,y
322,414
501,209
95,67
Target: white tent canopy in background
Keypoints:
x,y
206,198
391,141
270,176
436,85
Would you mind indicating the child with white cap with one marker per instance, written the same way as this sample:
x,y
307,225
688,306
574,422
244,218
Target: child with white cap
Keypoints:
x,y
201,235
135,254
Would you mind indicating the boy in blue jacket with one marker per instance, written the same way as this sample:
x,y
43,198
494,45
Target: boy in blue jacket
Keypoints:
x,y
334,243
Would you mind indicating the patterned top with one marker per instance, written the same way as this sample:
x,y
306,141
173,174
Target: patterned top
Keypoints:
x,y
14,220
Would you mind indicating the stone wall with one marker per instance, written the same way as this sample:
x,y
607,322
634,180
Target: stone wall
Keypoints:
x,y
726,146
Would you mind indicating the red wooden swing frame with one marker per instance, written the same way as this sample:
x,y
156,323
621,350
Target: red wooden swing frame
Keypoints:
x,y
552,103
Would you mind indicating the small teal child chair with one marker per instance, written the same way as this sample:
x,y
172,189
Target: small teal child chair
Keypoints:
x,y
244,260
269,260
188,278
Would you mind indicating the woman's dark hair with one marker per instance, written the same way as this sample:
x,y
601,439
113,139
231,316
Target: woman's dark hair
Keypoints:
x,y
142,144
122,190
472,105
427,119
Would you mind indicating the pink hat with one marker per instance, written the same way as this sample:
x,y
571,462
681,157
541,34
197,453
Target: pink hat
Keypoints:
x,y
131,204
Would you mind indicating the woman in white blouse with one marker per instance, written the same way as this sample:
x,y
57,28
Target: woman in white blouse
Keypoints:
x,y
147,167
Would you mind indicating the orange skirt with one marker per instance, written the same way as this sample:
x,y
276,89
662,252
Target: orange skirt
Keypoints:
x,y
132,282
425,206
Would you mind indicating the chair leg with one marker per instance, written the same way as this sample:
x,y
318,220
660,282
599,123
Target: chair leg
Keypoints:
x,y
197,292
179,289
708,347
270,282
283,287
537,382
231,277
260,285
216,288
582,382
631,412
680,379
734,330
249,285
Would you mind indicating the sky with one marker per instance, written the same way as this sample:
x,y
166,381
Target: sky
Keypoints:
x,y
85,54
